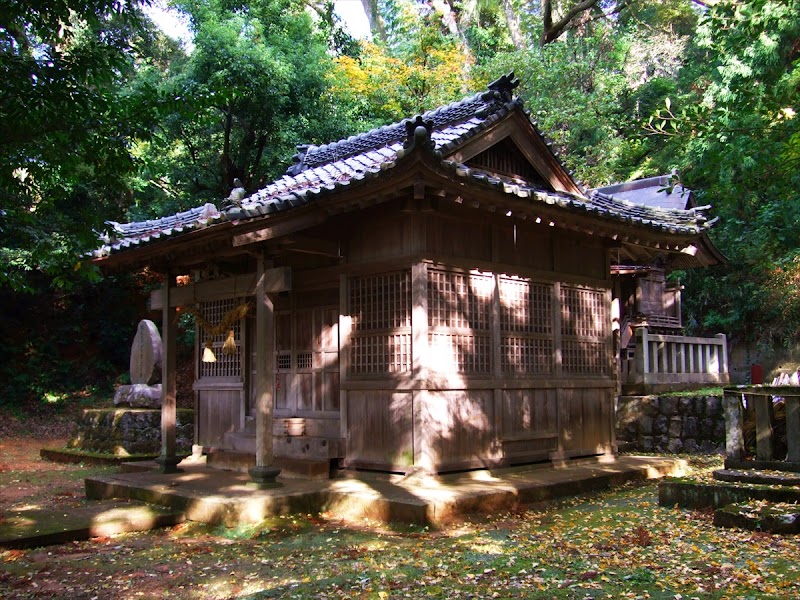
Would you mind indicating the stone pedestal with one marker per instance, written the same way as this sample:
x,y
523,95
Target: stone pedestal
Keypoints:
x,y
138,395
263,477
734,438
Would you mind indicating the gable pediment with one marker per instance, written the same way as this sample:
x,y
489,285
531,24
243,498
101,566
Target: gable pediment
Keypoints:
x,y
513,147
506,159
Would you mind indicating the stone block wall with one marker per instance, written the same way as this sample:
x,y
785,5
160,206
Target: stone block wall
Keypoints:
x,y
671,424
126,431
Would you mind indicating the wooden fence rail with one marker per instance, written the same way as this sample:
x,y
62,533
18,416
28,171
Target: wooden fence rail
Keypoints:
x,y
674,360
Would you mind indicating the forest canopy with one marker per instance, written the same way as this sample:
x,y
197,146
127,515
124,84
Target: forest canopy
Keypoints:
x,y
104,117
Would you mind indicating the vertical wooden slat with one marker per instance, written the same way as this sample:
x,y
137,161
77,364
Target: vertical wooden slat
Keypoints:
x,y
557,338
344,351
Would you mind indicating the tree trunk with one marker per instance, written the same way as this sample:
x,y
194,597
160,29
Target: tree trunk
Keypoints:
x,y
374,19
512,20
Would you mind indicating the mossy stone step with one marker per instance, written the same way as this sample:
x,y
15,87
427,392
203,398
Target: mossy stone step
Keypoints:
x,y
690,493
757,515
758,477
31,527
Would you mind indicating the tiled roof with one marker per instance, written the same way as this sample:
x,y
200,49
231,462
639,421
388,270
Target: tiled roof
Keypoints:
x,y
322,170
662,191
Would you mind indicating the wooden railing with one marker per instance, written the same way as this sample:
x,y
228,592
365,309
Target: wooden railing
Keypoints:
x,y
750,405
662,361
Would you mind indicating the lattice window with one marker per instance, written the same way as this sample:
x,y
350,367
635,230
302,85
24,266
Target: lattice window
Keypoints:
x,y
526,326
226,365
526,355
583,312
584,327
284,361
525,307
459,321
305,360
582,357
380,307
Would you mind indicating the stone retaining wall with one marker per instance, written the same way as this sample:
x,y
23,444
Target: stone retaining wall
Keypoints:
x,y
671,424
125,431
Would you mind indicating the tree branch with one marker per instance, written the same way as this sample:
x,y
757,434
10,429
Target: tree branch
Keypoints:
x,y
551,31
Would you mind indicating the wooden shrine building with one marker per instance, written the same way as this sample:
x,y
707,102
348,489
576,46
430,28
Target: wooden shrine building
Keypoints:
x,y
432,295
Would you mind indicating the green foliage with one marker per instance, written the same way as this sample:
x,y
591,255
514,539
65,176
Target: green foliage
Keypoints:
x,y
735,128
256,84
67,345
66,124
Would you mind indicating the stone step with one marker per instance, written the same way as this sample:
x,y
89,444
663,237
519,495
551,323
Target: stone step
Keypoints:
x,y
758,477
240,441
30,527
228,460
291,468
700,494
758,515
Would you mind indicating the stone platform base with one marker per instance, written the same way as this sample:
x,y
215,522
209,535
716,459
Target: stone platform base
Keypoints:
x,y
127,431
214,496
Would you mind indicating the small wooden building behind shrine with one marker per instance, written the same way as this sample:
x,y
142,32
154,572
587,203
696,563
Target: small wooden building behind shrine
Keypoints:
x,y
435,295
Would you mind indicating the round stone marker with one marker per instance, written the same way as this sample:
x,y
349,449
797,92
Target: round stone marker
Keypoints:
x,y
146,354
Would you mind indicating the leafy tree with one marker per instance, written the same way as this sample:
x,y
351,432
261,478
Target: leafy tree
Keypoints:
x,y
737,129
256,85
384,85
65,128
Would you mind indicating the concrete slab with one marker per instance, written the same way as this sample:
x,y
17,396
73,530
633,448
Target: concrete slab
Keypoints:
x,y
214,496
32,527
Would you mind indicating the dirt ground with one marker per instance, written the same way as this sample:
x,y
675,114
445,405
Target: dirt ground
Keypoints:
x,y
35,480
614,544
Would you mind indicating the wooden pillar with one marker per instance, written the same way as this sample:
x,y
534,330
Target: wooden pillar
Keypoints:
x,y
424,454
792,428
264,473
168,460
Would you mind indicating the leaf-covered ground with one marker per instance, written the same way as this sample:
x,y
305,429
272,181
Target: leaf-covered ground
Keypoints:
x,y
618,544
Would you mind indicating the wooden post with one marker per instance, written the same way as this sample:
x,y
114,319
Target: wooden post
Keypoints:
x,y
734,438
264,473
765,447
792,428
168,460
642,356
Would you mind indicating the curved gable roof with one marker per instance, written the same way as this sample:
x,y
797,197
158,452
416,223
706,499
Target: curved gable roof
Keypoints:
x,y
320,172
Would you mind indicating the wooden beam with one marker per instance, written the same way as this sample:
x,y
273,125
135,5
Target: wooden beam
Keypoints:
x,y
281,228
308,245
276,280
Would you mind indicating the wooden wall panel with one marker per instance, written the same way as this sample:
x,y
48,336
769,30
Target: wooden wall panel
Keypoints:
x,y
576,257
526,246
219,412
379,428
585,417
529,413
462,240
457,427
381,237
